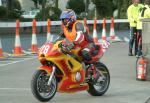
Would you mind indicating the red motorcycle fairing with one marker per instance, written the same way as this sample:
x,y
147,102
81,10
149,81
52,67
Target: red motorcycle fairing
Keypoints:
x,y
48,50
48,69
68,83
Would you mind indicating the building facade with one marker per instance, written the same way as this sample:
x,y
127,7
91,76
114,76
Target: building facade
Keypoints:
x,y
26,4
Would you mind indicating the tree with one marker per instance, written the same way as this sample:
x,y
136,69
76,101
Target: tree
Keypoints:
x,y
56,3
56,14
43,4
77,5
104,7
3,11
50,12
13,9
122,6
35,3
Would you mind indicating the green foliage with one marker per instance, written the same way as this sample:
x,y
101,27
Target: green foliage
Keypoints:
x,y
40,2
3,12
56,14
77,5
12,11
40,15
50,12
122,6
15,11
35,3
104,7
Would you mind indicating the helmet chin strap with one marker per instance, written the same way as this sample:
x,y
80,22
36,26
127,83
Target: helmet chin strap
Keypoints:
x,y
68,24
70,20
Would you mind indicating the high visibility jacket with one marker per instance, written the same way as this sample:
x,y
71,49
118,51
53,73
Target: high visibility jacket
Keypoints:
x,y
78,37
141,16
147,12
132,12
71,35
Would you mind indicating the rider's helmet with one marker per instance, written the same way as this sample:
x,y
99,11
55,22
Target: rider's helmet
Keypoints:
x,y
68,17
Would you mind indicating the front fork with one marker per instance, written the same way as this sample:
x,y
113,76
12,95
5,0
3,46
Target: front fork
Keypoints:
x,y
52,75
96,76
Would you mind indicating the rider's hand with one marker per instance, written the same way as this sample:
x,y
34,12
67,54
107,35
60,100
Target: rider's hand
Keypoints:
x,y
64,47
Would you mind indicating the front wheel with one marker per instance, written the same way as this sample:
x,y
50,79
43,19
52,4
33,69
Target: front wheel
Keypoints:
x,y
40,89
101,84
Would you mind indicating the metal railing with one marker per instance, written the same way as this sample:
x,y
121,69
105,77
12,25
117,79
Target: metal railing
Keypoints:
x,y
44,23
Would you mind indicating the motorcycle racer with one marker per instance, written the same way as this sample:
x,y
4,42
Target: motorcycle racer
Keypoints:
x,y
73,31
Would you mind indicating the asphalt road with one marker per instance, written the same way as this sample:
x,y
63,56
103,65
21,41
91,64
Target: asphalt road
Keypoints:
x,y
15,80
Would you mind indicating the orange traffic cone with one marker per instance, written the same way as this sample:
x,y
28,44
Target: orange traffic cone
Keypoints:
x,y
141,69
1,50
34,47
17,49
48,29
112,32
95,32
86,26
104,30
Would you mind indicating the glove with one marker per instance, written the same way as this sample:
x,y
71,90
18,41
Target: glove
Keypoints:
x,y
86,55
65,48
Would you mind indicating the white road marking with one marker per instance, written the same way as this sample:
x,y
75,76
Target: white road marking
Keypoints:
x,y
14,62
16,89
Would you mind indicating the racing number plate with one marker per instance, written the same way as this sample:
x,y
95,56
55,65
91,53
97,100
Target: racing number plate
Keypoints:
x,y
44,49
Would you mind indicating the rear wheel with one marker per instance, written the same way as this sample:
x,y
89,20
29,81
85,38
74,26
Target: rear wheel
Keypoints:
x,y
102,81
39,87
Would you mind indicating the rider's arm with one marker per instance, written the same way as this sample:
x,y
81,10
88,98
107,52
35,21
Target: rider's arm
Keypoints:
x,y
61,36
81,35
80,30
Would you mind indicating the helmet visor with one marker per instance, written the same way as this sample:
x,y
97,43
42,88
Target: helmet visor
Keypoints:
x,y
65,21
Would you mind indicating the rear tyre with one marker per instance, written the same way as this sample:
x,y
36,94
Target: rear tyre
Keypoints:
x,y
102,83
39,87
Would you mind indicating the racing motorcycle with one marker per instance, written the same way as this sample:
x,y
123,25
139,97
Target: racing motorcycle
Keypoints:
x,y
64,71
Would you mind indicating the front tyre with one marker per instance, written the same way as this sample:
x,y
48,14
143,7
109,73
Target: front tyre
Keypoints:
x,y
39,87
101,84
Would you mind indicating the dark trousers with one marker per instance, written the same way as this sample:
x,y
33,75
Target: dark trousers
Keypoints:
x,y
139,39
133,40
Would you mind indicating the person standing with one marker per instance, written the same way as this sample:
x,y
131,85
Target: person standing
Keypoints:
x,y
142,15
132,12
139,30
147,11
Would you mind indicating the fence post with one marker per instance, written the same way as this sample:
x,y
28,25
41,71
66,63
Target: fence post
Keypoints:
x,y
146,44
